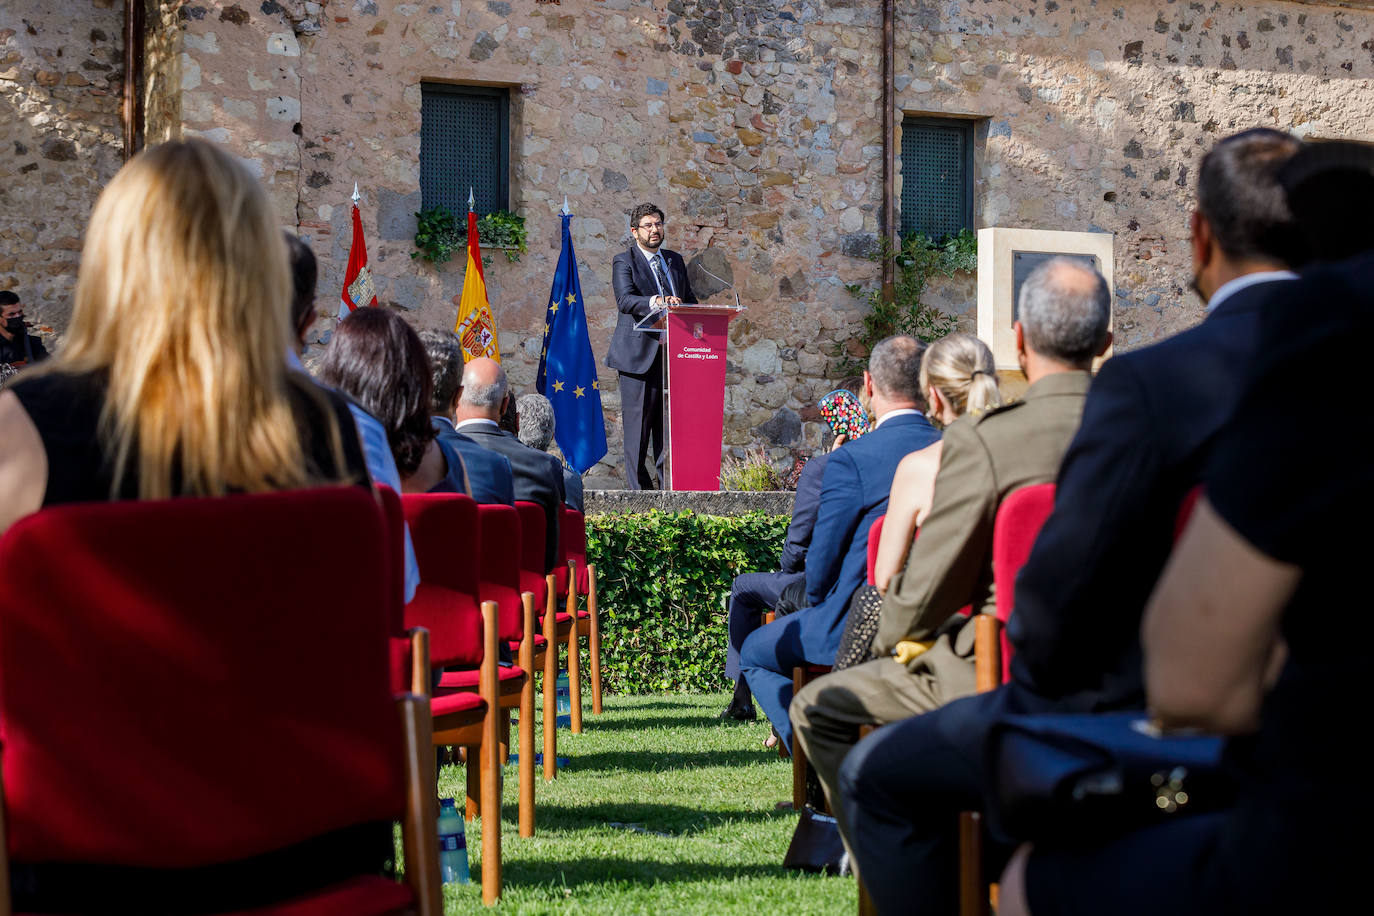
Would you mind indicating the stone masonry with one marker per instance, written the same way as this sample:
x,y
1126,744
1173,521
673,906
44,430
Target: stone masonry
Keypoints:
x,y
756,127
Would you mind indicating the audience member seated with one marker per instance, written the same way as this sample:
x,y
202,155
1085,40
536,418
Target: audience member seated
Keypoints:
x,y
1147,432
751,594
854,492
177,387
958,376
17,345
1240,639
534,426
376,359
489,474
538,475
924,649
376,450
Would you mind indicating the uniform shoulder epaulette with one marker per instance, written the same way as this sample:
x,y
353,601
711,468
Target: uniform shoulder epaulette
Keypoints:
x,y
980,415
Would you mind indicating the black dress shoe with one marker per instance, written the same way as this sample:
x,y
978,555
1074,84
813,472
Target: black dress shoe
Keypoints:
x,y
739,713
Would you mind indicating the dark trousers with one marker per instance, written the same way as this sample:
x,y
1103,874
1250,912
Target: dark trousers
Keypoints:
x,y
903,788
641,418
751,595
768,657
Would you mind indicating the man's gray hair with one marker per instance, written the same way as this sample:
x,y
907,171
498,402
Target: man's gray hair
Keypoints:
x,y
1065,309
895,365
536,421
479,394
445,353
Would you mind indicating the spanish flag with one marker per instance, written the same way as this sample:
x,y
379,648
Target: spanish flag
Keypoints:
x,y
476,327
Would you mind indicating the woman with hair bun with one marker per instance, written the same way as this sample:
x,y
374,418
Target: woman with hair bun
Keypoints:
x,y
171,379
958,376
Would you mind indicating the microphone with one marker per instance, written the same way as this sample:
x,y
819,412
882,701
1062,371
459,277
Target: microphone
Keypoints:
x,y
730,286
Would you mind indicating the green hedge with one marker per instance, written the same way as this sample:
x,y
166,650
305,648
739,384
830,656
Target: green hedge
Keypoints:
x,y
662,581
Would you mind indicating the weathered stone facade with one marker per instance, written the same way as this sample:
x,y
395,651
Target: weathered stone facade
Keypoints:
x,y
755,126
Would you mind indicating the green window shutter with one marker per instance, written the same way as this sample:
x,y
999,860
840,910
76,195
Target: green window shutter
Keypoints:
x,y
937,176
464,142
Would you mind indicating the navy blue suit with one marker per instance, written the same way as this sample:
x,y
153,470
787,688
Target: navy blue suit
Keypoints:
x,y
753,593
489,474
635,355
858,479
1148,427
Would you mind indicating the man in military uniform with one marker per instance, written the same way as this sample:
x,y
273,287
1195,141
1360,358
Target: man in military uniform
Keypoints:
x,y
925,651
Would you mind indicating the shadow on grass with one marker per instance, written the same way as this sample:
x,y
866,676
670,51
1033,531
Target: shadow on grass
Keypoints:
x,y
639,723
631,703
650,761
573,873
655,821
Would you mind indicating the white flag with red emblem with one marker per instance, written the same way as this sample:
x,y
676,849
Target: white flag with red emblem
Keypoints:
x,y
357,285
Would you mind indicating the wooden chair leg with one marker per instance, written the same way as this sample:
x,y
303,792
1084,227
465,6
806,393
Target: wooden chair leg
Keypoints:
x,y
550,686
526,661
418,829
973,890
505,737
473,807
489,766
866,907
574,656
594,640
798,755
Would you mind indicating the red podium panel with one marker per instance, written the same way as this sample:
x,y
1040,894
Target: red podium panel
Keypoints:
x,y
697,341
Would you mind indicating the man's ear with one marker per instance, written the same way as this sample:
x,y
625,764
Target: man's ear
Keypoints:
x,y
1020,337
868,385
1200,238
1105,344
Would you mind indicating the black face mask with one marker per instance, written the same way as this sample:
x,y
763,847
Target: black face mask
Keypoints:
x,y
15,325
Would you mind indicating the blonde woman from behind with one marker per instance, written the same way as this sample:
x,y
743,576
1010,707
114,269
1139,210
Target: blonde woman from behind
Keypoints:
x,y
171,379
958,376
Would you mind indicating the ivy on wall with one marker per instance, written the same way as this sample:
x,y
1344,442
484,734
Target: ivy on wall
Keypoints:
x,y
662,580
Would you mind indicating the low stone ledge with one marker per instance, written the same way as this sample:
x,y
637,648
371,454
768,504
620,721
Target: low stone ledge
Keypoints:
x,y
702,502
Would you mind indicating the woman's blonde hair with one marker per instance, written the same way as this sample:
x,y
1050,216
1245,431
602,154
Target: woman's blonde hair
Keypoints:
x,y
183,300
961,368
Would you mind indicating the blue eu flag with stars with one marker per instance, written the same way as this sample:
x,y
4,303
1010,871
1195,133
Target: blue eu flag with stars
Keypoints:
x,y
567,368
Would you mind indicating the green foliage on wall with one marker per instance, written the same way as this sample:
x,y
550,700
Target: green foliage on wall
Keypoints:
x,y
439,233
662,580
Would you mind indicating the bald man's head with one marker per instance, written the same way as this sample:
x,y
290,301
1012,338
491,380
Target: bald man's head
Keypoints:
x,y
1065,311
484,388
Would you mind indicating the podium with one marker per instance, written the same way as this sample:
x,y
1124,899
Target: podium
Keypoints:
x,y
696,339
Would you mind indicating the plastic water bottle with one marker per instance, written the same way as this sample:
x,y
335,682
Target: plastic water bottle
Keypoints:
x,y
561,692
453,844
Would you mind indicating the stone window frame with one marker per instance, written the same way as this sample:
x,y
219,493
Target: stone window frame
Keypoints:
x,y
500,142
968,128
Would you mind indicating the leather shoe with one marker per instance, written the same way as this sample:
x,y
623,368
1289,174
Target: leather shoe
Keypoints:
x,y
739,713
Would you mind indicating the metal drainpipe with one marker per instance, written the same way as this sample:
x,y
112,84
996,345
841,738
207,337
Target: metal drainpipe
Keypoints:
x,y
133,73
889,209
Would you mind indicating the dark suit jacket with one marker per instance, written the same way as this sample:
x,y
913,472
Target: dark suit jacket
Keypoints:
x,y
858,479
1148,427
538,479
572,488
804,510
634,351
489,474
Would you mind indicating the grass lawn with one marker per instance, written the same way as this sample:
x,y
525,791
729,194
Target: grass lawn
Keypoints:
x,y
662,809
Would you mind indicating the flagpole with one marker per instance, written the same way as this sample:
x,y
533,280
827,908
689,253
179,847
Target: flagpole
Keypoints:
x,y
356,196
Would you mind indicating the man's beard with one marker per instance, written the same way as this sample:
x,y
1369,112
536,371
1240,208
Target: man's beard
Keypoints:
x,y
1197,288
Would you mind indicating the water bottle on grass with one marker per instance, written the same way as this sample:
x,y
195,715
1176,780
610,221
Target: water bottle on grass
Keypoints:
x,y
453,844
561,692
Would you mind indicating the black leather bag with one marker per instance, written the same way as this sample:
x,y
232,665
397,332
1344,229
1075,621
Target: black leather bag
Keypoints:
x,y
816,845
1080,778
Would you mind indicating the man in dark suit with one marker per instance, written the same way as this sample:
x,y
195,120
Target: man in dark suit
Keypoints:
x,y
534,426
854,492
753,593
645,276
538,475
489,473
1148,426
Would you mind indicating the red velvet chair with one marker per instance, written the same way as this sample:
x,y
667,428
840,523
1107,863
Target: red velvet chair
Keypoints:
x,y
875,534
170,700
463,633
554,628
583,582
500,582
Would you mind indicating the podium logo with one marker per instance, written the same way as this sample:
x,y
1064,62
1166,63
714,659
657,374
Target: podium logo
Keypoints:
x,y
697,331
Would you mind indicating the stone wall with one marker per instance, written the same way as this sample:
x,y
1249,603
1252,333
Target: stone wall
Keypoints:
x,y
757,128
61,140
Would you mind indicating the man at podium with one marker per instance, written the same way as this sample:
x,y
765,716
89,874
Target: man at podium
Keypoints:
x,y
645,276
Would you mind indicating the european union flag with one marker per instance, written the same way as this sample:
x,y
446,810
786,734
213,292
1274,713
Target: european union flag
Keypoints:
x,y
567,368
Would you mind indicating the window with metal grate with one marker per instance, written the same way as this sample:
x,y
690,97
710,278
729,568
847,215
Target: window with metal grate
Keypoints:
x,y
937,176
464,142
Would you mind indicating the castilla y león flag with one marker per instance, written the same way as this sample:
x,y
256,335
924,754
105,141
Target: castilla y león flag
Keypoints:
x,y
476,326
357,285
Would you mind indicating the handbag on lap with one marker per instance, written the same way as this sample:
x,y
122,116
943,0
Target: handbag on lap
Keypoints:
x,y
860,628
1082,777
